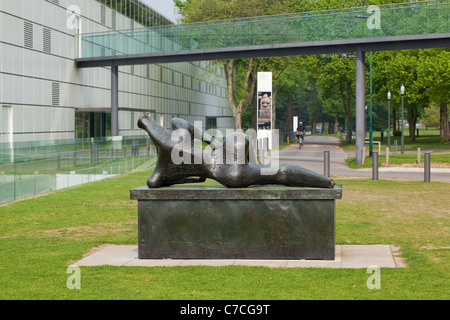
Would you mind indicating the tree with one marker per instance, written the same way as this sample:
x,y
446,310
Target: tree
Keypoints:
x,y
293,100
288,78
240,99
391,70
241,75
431,116
336,76
434,75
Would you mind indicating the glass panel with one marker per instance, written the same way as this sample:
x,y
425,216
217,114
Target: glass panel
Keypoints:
x,y
396,20
38,167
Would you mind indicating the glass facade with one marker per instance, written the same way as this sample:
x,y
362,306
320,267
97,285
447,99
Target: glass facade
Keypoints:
x,y
33,168
93,124
413,18
137,11
47,94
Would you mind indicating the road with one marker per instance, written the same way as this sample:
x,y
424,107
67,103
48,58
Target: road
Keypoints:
x,y
311,156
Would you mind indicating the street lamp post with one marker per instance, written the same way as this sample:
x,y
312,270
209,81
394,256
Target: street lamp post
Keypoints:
x,y
389,119
402,91
371,104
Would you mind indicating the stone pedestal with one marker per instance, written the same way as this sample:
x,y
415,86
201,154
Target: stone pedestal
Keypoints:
x,y
215,222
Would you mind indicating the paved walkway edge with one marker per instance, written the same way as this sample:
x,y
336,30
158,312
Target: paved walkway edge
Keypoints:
x,y
347,256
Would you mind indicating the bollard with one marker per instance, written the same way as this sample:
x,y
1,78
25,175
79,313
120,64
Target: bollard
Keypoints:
x,y
326,163
418,155
427,166
375,165
387,155
395,146
364,155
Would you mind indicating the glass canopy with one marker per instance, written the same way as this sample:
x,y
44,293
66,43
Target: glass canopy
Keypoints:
x,y
414,18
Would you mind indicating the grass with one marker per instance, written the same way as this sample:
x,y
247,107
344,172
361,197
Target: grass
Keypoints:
x,y
437,160
428,141
42,236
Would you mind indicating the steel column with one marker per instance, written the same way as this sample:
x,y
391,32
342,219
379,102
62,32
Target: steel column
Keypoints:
x,y
360,105
114,100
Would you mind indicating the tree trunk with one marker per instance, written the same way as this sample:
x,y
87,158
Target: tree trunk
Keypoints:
x,y
254,124
412,119
238,107
274,113
444,125
229,75
345,99
290,110
336,124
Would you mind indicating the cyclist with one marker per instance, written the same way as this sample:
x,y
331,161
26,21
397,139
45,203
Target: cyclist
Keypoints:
x,y
301,134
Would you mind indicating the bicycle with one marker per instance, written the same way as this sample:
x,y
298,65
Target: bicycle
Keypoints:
x,y
301,138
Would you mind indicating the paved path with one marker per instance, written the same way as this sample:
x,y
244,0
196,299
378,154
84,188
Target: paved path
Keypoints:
x,y
347,256
311,156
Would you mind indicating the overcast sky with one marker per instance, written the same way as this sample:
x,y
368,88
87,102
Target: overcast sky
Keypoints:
x,y
164,7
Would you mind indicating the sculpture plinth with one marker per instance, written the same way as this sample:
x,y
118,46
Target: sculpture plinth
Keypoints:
x,y
215,222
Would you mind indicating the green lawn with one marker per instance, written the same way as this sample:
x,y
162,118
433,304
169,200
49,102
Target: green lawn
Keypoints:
x,y
436,159
428,141
42,236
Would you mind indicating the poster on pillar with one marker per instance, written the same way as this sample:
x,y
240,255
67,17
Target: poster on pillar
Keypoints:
x,y
294,123
264,103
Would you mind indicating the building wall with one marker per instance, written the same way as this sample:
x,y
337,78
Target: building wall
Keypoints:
x,y
41,90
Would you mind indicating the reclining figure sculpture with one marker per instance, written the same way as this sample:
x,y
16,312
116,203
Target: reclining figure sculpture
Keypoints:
x,y
231,175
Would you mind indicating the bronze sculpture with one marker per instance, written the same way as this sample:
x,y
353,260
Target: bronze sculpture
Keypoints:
x,y
232,174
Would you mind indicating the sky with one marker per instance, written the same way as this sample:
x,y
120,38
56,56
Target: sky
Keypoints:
x,y
164,7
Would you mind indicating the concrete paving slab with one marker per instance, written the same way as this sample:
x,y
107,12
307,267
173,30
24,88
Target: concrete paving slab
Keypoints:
x,y
336,263
347,256
110,255
355,256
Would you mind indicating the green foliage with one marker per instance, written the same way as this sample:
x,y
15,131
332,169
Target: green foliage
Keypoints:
x,y
431,116
434,73
206,10
423,72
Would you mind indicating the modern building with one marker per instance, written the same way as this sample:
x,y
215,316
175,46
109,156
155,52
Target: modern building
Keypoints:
x,y
44,96
56,129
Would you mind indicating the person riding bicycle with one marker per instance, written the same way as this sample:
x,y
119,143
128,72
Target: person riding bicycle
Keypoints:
x,y
301,133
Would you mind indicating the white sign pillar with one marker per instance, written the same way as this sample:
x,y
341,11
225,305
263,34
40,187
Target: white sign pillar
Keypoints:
x,y
264,103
